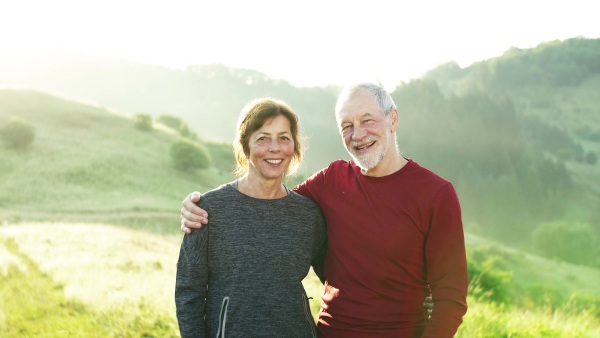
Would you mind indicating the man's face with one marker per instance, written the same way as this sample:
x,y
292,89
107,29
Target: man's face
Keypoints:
x,y
366,131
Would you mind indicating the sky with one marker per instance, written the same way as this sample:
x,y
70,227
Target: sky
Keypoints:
x,y
306,42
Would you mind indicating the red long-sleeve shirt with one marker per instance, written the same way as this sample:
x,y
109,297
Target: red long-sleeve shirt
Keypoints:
x,y
392,240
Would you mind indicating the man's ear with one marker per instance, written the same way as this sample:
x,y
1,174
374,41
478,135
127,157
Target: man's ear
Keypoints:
x,y
394,119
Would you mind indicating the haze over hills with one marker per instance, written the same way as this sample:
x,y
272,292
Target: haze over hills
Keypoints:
x,y
521,152
518,135
208,97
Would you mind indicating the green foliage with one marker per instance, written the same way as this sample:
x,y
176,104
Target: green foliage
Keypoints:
x,y
572,242
185,131
489,274
171,121
555,63
143,122
498,159
17,134
189,156
591,158
35,305
491,320
88,166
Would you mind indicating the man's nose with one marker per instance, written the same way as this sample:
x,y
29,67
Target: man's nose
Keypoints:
x,y
358,133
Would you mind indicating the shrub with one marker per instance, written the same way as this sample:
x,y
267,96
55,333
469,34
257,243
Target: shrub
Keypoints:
x,y
489,275
185,131
17,134
189,156
143,122
170,121
570,242
591,158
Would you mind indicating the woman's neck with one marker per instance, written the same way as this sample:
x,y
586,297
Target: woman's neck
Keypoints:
x,y
261,188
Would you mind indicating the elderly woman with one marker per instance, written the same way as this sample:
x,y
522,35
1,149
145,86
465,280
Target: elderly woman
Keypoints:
x,y
242,275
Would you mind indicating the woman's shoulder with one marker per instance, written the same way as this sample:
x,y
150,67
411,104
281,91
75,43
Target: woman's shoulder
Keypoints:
x,y
303,201
225,190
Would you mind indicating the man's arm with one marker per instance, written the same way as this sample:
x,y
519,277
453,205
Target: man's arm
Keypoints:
x,y
193,217
446,265
319,248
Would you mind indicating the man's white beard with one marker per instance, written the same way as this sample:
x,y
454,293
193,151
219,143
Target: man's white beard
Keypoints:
x,y
373,158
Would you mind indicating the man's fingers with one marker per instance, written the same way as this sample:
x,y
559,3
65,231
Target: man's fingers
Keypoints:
x,y
185,229
192,216
190,206
194,197
192,220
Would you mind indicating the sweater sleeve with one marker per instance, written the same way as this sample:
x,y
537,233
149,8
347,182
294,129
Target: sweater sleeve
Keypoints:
x,y
191,283
446,265
319,247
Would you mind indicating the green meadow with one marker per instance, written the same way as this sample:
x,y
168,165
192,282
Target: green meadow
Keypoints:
x,y
89,212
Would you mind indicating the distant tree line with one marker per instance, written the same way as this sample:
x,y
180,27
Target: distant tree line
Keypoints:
x,y
508,169
559,63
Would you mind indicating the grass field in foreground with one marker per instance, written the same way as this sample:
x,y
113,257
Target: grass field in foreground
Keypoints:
x,y
90,280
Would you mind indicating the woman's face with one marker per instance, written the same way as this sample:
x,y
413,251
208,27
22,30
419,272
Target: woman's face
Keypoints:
x,y
271,149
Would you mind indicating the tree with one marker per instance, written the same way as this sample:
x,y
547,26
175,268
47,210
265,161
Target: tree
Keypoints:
x,y
184,130
143,122
170,121
189,156
571,242
591,158
17,134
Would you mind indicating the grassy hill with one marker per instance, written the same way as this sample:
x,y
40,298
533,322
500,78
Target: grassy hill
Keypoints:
x,y
518,135
97,280
208,97
511,151
89,167
555,83
88,163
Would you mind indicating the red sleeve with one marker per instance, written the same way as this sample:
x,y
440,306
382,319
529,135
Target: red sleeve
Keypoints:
x,y
310,187
446,264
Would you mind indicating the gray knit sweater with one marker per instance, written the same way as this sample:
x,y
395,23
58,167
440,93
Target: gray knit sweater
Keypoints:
x,y
241,276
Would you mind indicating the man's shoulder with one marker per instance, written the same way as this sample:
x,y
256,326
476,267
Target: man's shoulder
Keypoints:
x,y
418,171
339,165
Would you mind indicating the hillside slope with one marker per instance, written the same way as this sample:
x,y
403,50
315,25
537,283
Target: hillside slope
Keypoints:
x,y
92,164
208,97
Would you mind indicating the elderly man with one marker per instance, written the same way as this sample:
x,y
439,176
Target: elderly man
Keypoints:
x,y
394,228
